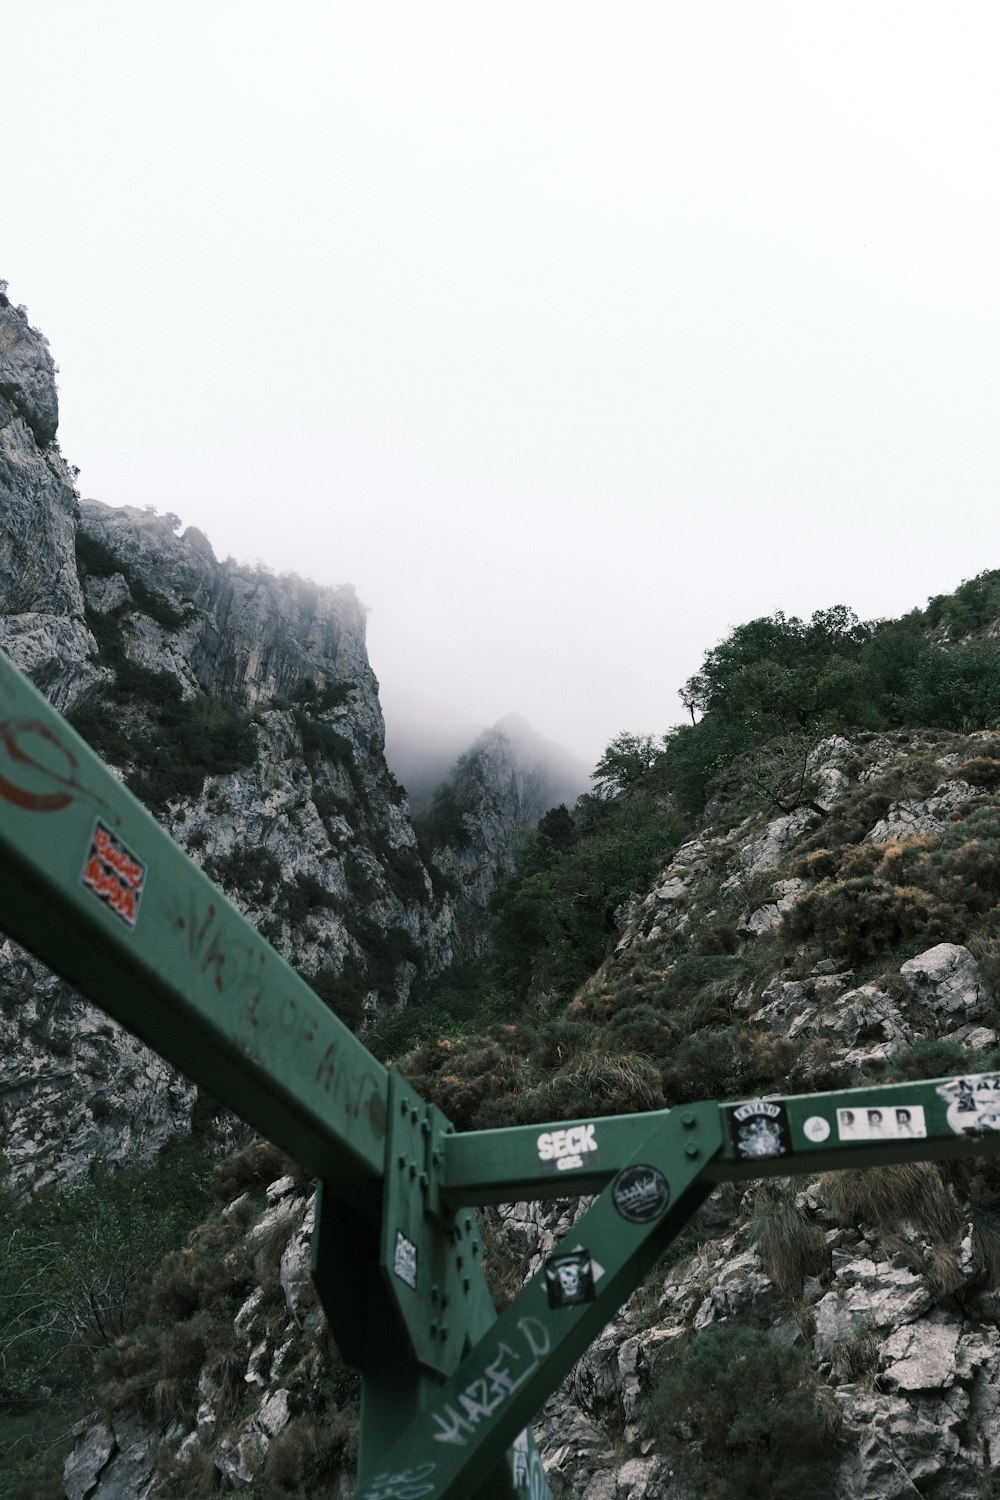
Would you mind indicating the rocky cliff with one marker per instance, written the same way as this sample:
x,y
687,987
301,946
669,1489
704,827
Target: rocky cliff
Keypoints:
x,y
500,787
861,1307
242,708
834,1335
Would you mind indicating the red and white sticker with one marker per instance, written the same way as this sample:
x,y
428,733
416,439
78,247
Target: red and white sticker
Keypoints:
x,y
114,874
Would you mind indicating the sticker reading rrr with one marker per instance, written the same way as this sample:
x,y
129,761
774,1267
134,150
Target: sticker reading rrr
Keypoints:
x,y
640,1193
114,874
882,1122
759,1129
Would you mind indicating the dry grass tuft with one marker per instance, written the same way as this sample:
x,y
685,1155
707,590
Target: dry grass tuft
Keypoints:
x,y
885,1196
790,1248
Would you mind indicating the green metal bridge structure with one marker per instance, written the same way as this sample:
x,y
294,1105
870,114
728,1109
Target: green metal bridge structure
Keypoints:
x,y
94,887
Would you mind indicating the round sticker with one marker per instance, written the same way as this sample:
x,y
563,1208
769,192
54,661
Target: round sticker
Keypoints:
x,y
816,1128
640,1193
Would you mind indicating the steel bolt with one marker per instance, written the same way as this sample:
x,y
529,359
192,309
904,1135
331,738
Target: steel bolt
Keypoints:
x,y
691,1149
688,1120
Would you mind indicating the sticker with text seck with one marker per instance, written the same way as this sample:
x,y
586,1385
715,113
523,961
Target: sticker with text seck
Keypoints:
x,y
562,1150
114,874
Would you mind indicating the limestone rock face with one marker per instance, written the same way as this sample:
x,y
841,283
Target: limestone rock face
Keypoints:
x,y
504,784
41,605
73,1083
134,627
27,373
243,709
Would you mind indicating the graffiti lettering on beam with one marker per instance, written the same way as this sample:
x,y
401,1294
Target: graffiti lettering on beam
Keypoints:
x,y
504,1375
410,1484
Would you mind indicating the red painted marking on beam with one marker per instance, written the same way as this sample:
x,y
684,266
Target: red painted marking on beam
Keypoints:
x,y
327,1065
376,1114
15,742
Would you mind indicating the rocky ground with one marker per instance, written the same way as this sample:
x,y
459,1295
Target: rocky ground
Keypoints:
x,y
887,1282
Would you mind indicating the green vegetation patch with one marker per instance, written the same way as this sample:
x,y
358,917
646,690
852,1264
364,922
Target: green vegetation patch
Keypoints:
x,y
74,1265
741,1415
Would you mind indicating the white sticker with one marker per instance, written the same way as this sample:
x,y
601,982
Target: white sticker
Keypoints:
x,y
882,1122
973,1104
816,1128
565,1149
405,1260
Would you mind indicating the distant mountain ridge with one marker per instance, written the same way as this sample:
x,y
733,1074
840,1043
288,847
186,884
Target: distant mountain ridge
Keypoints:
x,y
498,790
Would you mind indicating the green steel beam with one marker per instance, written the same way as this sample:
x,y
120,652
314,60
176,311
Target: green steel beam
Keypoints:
x,y
521,1162
100,893
783,1136
481,1410
96,889
935,1119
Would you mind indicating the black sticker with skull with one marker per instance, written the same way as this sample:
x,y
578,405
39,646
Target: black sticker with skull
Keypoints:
x,y
569,1279
759,1129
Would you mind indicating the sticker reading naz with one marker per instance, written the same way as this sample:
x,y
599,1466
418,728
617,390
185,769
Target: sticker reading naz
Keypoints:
x,y
563,1150
973,1104
114,874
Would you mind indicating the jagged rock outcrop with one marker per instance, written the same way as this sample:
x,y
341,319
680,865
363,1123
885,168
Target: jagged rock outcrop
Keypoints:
x,y
500,788
41,605
895,1302
242,708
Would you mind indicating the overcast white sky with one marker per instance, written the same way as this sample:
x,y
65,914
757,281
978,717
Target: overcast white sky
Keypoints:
x,y
571,334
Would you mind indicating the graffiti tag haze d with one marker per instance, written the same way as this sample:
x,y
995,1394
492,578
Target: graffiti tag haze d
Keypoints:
x,y
504,1375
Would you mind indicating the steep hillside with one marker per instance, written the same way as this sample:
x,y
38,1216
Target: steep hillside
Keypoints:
x,y
851,939
798,890
241,708
477,818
